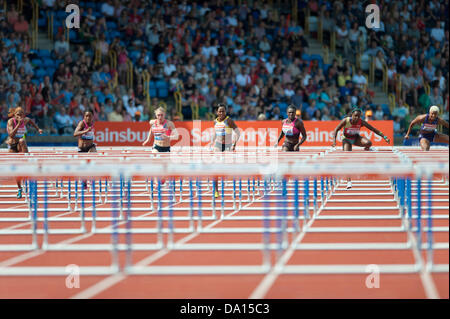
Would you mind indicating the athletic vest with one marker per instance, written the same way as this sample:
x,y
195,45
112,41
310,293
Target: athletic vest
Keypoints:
x,y
89,136
429,127
289,129
160,130
352,130
222,128
21,131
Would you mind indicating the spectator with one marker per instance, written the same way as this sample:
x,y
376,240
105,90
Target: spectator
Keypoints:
x,y
398,127
359,79
63,122
61,47
437,33
379,113
21,26
436,97
368,115
342,39
408,85
107,9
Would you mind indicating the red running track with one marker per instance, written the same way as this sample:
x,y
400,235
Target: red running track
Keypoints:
x,y
331,220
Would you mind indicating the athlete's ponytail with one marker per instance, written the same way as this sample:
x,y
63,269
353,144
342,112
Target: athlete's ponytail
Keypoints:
x,y
13,111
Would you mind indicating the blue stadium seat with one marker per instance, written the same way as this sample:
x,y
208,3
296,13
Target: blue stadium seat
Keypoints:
x,y
40,73
163,93
306,57
162,88
161,84
152,85
42,22
61,15
73,35
134,55
50,71
316,57
111,25
152,92
49,63
37,63
283,107
44,53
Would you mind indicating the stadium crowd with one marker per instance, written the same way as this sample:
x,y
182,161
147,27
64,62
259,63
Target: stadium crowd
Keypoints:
x,y
251,57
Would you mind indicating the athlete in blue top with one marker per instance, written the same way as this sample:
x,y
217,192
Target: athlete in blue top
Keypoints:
x,y
428,130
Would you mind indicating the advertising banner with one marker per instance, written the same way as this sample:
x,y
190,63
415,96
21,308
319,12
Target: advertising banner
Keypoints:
x,y
253,133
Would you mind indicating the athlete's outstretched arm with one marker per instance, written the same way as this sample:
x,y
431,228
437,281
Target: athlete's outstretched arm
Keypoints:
x,y
279,138
336,130
375,130
418,120
443,122
34,125
149,134
236,130
301,128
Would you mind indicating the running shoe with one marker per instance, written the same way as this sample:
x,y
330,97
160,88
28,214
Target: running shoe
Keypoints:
x,y
19,193
349,185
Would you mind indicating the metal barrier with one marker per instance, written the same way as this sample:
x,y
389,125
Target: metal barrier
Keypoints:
x,y
320,29
358,60
130,73
34,25
20,6
50,17
294,6
385,78
112,59
392,103
146,85
333,42
427,89
307,14
372,71
326,54
177,97
195,109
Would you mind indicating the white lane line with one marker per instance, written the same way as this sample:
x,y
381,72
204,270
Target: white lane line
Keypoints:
x,y
266,283
427,281
114,279
20,258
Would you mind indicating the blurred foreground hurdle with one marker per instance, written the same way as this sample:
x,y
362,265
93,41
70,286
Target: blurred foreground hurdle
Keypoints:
x,y
298,190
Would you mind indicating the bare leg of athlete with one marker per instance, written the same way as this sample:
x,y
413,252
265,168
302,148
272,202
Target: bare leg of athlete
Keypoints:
x,y
363,142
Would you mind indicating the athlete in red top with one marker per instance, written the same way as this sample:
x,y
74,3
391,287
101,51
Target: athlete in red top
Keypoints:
x,y
17,131
292,127
352,125
163,130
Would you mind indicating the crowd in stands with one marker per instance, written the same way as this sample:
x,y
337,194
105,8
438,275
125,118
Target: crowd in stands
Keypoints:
x,y
412,41
251,57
